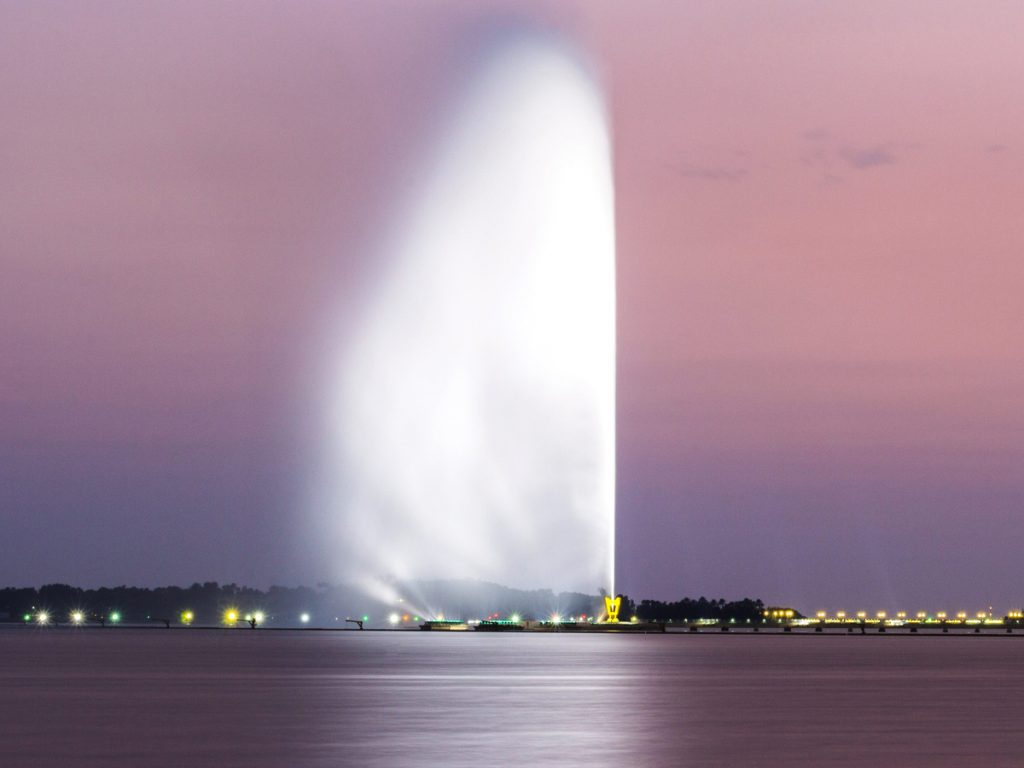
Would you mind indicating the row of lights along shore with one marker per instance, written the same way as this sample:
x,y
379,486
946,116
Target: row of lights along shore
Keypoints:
x,y
230,617
233,616
897,619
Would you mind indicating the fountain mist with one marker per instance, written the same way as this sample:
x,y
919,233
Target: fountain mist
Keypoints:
x,y
475,405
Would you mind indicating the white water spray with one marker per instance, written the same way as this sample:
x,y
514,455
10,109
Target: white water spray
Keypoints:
x,y
474,431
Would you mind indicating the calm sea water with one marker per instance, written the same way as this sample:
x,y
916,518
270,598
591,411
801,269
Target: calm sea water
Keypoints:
x,y
242,698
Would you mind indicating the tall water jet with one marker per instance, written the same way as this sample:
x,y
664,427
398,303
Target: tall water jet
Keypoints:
x,y
474,422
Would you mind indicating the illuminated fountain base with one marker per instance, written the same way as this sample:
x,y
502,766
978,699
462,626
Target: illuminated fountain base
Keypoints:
x,y
612,606
610,623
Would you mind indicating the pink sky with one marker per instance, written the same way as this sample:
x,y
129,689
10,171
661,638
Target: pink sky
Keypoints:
x,y
821,395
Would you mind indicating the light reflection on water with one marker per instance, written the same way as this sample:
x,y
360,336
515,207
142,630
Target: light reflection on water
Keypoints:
x,y
241,698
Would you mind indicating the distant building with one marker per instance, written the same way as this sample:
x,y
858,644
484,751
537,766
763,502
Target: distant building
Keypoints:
x,y
781,613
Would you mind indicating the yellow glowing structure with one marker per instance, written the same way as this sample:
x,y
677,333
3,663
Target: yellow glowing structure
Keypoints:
x,y
231,616
77,617
187,617
611,607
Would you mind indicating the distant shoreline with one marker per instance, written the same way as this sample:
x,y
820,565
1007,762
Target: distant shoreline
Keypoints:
x,y
670,629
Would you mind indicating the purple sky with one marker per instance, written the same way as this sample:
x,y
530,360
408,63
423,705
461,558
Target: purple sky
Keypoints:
x,y
821,391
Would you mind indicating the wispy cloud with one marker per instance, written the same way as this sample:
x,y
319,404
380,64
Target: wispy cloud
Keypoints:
x,y
828,153
862,158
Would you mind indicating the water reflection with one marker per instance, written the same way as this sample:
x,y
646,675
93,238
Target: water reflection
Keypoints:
x,y
124,697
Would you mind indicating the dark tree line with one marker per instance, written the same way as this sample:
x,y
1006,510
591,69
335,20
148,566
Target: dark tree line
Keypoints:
x,y
330,605
326,605
689,609
206,601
